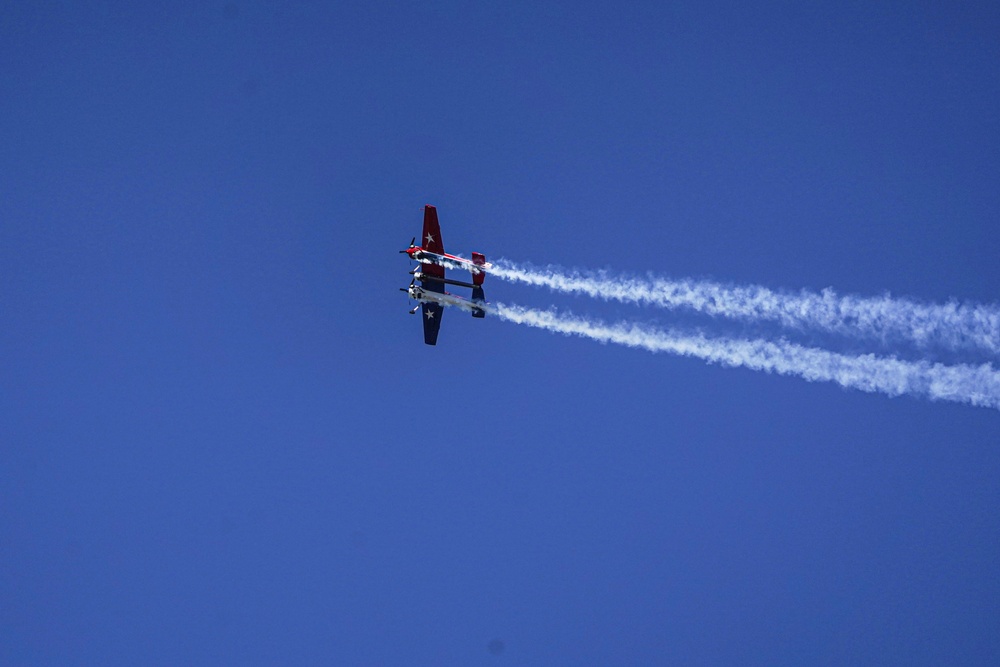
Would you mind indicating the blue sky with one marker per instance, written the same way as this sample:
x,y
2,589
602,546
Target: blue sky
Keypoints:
x,y
225,443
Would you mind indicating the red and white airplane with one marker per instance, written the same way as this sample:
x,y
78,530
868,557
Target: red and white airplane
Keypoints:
x,y
433,261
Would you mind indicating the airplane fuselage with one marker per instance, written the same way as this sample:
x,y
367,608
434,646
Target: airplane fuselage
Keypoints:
x,y
446,260
444,298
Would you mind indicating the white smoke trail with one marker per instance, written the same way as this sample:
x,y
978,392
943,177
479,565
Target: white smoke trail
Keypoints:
x,y
972,385
952,326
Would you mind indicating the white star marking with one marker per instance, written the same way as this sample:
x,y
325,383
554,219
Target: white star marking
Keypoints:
x,y
429,314
430,239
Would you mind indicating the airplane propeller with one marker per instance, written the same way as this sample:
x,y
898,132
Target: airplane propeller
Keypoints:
x,y
407,290
413,243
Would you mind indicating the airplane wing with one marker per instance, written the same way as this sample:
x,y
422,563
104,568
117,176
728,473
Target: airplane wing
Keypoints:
x,y
432,242
431,239
431,314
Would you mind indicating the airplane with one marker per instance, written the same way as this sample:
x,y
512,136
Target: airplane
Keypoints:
x,y
430,294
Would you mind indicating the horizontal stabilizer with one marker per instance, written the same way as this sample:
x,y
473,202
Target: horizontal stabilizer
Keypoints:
x,y
478,297
478,259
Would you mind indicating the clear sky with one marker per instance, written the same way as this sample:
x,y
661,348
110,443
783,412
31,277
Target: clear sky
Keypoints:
x,y
224,442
